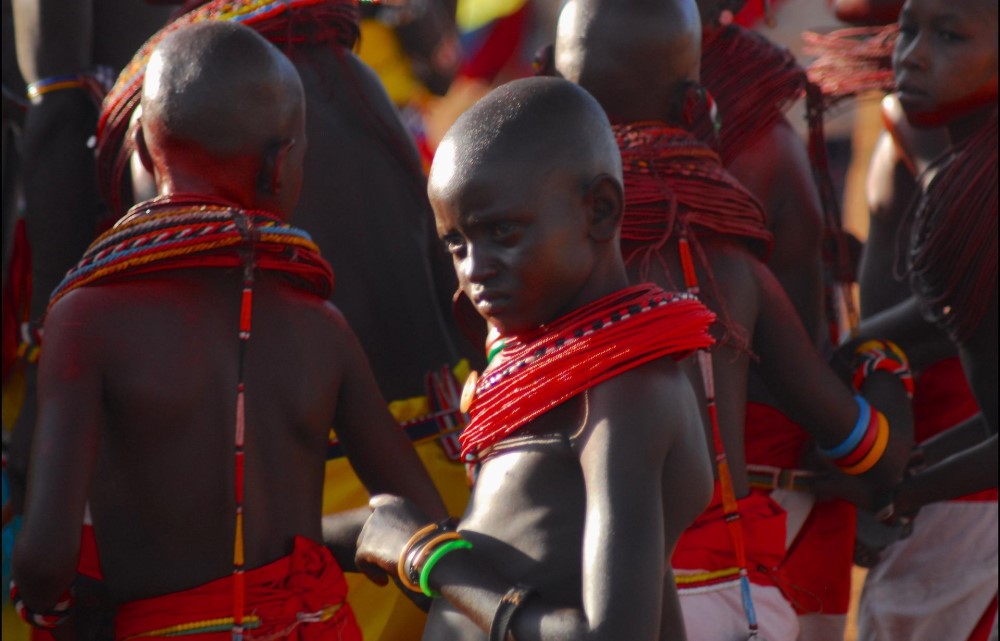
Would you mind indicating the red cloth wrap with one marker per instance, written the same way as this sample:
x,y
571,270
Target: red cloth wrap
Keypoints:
x,y
707,545
541,370
303,582
89,563
753,82
772,438
942,399
815,575
16,296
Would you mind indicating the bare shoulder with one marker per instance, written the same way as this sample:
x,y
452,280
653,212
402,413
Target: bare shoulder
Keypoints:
x,y
643,411
768,160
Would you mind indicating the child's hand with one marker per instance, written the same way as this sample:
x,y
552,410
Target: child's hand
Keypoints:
x,y
393,522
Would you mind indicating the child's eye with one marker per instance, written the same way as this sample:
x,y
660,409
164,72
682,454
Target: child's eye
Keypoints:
x,y
501,231
454,243
948,36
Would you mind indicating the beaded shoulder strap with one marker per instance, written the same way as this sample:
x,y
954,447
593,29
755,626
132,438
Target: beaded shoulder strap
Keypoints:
x,y
730,507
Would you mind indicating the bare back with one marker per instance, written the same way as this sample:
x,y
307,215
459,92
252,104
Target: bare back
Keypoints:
x,y
166,362
364,203
536,511
775,168
735,299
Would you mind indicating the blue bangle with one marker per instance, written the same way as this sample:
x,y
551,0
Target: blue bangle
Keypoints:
x,y
852,440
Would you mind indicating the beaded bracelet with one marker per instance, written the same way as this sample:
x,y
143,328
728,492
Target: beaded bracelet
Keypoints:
x,y
872,356
437,555
408,549
857,433
509,605
866,443
878,448
49,620
417,560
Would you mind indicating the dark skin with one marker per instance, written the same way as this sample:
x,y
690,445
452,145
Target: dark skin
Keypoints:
x,y
380,238
746,290
589,507
127,364
945,64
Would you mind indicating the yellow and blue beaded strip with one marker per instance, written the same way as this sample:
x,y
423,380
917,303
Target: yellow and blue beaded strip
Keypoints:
x,y
221,624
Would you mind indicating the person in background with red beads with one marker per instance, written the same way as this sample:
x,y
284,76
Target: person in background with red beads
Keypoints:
x,y
591,455
689,223
933,193
202,457
753,82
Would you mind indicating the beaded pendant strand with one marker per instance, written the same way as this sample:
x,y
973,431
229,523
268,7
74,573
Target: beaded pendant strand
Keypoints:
x,y
730,507
249,233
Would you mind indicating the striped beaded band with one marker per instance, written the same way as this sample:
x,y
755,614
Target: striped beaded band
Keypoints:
x,y
95,83
878,448
221,624
854,438
49,620
872,356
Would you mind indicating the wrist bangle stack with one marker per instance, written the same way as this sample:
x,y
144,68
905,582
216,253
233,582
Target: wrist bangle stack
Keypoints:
x,y
872,356
48,620
509,605
438,554
865,445
422,552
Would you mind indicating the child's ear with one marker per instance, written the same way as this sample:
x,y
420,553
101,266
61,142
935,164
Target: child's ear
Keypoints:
x,y
139,141
605,198
273,162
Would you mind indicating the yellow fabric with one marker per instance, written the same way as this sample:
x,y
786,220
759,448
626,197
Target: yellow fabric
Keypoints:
x,y
380,49
385,614
13,397
14,629
473,14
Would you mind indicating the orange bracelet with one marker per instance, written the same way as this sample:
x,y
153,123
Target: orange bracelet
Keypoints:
x,y
878,449
429,547
401,565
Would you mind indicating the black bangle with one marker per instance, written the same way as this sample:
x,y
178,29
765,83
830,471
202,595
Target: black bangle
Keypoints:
x,y
509,605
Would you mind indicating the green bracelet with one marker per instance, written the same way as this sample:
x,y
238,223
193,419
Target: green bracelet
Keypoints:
x,y
437,555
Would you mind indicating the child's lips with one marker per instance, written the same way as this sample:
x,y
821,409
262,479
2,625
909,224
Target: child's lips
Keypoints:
x,y
490,302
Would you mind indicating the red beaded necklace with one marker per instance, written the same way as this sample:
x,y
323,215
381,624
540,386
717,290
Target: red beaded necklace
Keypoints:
x,y
598,341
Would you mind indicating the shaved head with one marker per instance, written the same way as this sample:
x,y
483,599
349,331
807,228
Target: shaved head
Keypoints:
x,y
631,55
538,122
220,87
527,194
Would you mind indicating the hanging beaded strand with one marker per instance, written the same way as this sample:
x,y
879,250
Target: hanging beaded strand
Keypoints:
x,y
730,507
249,233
